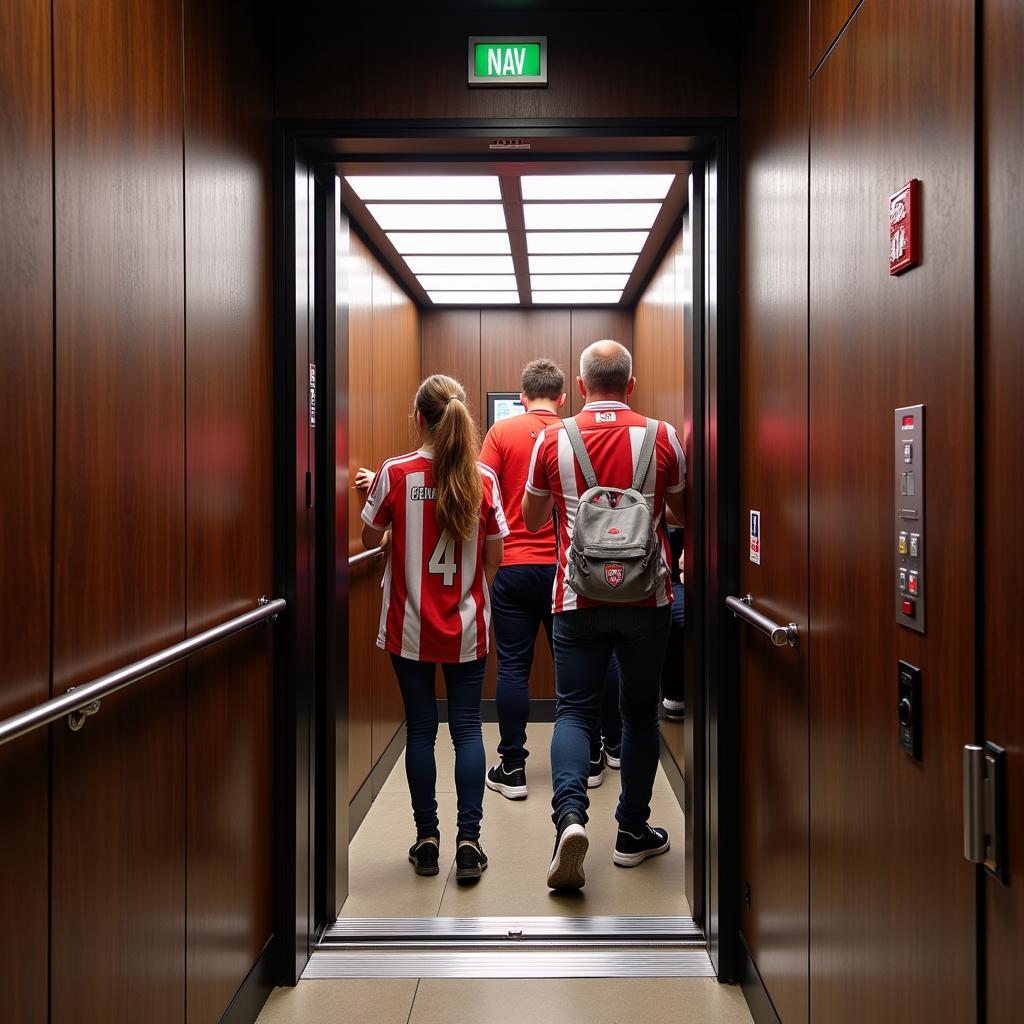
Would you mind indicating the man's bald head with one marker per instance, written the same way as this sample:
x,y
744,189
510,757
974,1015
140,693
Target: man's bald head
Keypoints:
x,y
606,368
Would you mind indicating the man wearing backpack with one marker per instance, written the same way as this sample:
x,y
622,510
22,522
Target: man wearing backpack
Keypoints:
x,y
609,474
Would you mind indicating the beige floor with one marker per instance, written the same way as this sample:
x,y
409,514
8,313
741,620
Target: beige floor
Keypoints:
x,y
517,837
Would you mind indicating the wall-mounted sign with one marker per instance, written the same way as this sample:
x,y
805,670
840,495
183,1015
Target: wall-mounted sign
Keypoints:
x,y
755,537
904,236
502,60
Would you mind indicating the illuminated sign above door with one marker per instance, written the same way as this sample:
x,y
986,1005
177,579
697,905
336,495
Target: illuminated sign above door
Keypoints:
x,y
504,61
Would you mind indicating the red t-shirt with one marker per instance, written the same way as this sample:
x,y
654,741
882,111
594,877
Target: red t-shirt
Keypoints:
x,y
436,603
613,435
507,449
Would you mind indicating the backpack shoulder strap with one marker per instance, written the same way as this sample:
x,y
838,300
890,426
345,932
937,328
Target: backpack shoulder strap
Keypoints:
x,y
643,462
572,430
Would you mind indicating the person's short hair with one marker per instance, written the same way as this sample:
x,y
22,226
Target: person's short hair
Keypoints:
x,y
606,367
543,378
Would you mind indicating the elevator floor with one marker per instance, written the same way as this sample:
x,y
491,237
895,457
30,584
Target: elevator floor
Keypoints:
x,y
517,837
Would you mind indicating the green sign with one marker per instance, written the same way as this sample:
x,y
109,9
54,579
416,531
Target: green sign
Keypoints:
x,y
502,61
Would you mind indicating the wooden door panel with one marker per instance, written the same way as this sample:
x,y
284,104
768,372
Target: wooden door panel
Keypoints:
x,y
827,18
451,344
26,474
119,785
1002,469
773,481
894,100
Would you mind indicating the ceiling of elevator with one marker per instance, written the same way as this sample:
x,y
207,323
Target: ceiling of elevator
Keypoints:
x,y
519,234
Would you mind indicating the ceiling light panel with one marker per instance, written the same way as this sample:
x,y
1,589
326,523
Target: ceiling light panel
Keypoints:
x,y
460,264
578,282
474,298
574,216
585,241
410,243
577,298
438,216
596,186
467,282
615,264
413,187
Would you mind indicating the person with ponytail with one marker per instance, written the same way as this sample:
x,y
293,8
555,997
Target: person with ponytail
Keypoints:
x,y
443,511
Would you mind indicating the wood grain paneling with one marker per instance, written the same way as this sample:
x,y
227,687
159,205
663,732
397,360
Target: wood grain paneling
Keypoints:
x,y
26,425
894,100
685,69
451,344
1002,430
824,21
588,326
773,474
118,881
229,479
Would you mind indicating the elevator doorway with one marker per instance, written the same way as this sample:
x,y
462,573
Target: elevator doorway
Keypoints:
x,y
320,302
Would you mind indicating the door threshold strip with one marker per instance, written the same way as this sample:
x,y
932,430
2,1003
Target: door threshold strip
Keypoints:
x,y
623,962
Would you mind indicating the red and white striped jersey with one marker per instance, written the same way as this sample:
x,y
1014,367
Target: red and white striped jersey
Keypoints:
x,y
437,606
613,435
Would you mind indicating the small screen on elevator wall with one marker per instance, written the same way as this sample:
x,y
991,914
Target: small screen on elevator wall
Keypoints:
x,y
501,405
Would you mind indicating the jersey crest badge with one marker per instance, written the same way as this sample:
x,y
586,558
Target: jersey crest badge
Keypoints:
x,y
613,573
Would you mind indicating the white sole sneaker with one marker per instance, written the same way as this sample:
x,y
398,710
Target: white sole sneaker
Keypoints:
x,y
675,710
593,781
509,792
566,870
631,860
612,760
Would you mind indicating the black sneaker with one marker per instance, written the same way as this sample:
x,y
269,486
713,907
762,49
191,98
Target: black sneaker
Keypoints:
x,y
571,845
675,710
509,782
595,776
423,855
470,862
613,756
631,850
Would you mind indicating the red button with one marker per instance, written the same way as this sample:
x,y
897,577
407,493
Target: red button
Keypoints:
x,y
908,608
913,584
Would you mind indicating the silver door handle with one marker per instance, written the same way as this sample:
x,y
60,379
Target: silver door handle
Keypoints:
x,y
781,635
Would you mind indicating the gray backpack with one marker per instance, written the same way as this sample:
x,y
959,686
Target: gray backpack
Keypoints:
x,y
615,554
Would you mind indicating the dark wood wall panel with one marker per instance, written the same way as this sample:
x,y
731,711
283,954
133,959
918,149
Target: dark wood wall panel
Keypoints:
x,y
894,100
26,425
118,802
451,344
1002,429
606,64
773,474
228,287
823,21
588,326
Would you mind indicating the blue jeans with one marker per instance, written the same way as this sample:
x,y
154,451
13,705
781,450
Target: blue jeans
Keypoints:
x,y
584,643
464,686
521,604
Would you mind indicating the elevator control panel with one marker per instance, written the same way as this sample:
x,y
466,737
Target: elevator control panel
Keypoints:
x,y
908,709
909,535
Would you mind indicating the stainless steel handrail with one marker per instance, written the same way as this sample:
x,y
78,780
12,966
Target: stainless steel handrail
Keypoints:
x,y
364,556
781,635
82,701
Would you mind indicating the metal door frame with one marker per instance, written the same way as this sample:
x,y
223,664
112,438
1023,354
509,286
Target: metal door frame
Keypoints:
x,y
308,715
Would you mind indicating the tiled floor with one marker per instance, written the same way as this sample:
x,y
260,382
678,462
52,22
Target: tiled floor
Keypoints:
x,y
517,838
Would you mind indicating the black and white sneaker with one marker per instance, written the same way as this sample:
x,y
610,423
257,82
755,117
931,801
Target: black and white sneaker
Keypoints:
x,y
595,776
509,782
613,756
571,845
470,862
631,850
675,710
423,855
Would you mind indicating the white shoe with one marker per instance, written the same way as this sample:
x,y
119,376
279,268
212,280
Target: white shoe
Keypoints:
x,y
675,710
596,773
571,845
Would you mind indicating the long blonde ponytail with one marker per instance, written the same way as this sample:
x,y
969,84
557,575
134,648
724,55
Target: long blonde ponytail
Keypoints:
x,y
441,402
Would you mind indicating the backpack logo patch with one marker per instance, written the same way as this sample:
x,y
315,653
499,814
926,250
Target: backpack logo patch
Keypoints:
x,y
614,530
613,573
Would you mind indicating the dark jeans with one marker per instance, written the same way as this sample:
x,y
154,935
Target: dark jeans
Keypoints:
x,y
672,670
584,643
520,605
464,685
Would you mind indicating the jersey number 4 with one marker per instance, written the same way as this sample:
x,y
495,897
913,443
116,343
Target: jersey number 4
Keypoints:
x,y
442,561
